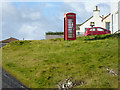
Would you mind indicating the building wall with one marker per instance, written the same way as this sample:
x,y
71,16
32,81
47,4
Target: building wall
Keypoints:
x,y
119,15
54,36
108,19
97,21
58,36
114,17
115,22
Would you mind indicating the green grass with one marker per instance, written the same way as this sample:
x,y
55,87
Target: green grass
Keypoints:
x,y
44,63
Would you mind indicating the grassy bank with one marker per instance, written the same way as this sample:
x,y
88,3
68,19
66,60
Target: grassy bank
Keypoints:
x,y
44,63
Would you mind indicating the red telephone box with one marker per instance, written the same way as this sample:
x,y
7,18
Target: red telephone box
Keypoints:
x,y
70,26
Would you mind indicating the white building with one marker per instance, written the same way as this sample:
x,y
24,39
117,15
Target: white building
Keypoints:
x,y
100,21
119,16
114,17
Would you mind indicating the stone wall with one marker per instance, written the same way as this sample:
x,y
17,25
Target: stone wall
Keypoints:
x,y
54,36
58,36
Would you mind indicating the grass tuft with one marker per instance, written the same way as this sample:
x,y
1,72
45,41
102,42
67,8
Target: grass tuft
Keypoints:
x,y
44,63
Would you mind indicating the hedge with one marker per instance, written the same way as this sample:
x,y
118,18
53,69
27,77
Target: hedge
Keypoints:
x,y
55,33
97,37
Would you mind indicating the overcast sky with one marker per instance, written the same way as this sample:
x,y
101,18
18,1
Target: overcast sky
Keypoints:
x,y
30,20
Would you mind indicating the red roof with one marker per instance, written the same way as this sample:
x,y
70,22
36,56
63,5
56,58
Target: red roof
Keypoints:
x,y
106,16
8,40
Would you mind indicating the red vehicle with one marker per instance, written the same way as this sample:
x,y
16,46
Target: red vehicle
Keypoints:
x,y
97,31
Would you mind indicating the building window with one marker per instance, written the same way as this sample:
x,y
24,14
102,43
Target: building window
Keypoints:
x,y
78,33
108,25
86,29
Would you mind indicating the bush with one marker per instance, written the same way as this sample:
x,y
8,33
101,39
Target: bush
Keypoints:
x,y
97,37
55,33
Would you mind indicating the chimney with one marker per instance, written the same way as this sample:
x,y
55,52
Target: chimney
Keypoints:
x,y
96,12
23,39
96,8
